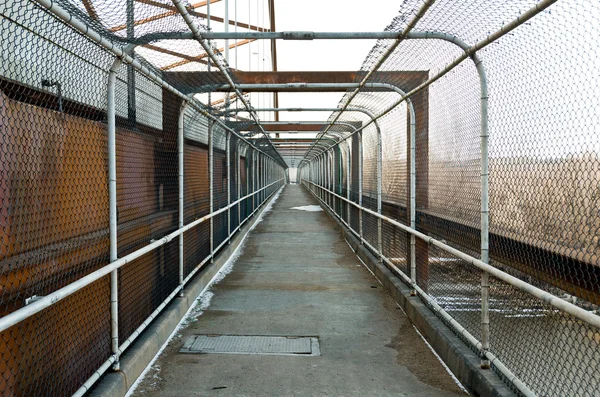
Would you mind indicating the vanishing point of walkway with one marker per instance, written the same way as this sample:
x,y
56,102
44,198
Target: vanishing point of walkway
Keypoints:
x,y
297,276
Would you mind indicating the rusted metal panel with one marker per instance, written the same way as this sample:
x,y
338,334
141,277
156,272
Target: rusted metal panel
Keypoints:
x,y
196,241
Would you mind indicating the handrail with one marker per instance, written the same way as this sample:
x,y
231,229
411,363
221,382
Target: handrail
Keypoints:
x,y
21,314
553,300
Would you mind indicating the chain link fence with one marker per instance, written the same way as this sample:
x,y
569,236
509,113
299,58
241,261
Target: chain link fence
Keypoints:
x,y
184,182
524,72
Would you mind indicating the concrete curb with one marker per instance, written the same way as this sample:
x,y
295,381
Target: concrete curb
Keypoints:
x,y
461,360
142,351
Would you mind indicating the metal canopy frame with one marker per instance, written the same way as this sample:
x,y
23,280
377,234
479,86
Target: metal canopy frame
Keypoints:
x,y
469,51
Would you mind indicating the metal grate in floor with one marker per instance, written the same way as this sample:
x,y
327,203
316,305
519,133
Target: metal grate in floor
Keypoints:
x,y
252,344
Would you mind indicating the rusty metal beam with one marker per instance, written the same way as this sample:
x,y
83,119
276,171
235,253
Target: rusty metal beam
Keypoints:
x,y
220,101
89,8
189,59
172,11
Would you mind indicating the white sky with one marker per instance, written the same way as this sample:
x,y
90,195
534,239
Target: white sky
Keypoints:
x,y
326,55
317,55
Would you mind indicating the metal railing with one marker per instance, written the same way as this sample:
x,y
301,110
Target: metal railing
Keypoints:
x,y
151,176
530,289
108,159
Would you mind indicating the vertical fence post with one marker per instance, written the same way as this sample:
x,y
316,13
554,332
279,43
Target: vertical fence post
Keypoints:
x,y
485,277
238,182
318,172
228,156
324,167
180,154
331,187
340,184
112,210
413,195
211,188
348,171
360,188
327,169
325,177
253,172
379,192
262,179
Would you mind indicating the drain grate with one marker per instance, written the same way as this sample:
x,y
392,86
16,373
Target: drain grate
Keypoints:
x,y
252,344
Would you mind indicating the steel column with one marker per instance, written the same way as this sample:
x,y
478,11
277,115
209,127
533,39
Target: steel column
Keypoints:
x,y
485,225
112,209
211,188
379,192
360,188
413,196
238,182
180,156
348,172
228,156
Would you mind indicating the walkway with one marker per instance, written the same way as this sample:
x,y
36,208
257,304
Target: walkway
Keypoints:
x,y
297,276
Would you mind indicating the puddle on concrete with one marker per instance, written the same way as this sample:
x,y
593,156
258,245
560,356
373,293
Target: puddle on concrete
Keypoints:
x,y
309,208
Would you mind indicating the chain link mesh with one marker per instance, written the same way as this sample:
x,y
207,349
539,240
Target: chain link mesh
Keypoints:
x,y
54,180
544,99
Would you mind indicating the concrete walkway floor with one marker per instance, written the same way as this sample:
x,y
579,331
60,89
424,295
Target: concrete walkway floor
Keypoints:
x,y
297,276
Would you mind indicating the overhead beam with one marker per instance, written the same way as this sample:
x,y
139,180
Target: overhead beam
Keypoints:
x,y
285,126
189,59
304,35
202,81
172,11
89,8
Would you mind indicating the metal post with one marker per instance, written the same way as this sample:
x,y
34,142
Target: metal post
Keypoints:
x,y
131,94
239,180
360,189
254,182
331,179
327,170
340,184
413,197
348,172
322,175
180,155
228,156
226,23
379,191
485,278
112,209
211,188
251,172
